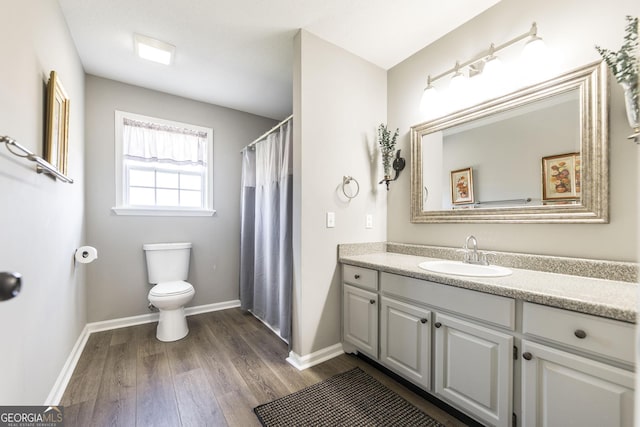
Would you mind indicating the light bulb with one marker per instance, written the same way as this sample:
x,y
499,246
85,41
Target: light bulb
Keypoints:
x,y
458,83
534,60
534,50
493,68
429,99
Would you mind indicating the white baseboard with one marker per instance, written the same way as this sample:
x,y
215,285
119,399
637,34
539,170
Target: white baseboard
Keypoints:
x,y
315,358
199,309
67,370
70,365
124,322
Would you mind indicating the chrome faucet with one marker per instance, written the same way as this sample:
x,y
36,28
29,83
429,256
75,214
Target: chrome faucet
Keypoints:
x,y
471,253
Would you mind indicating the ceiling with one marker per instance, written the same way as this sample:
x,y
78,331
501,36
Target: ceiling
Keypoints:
x,y
239,53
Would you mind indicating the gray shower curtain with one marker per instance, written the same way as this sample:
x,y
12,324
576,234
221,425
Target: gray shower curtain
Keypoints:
x,y
266,257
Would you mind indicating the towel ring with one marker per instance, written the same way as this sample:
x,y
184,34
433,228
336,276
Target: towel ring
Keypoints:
x,y
346,180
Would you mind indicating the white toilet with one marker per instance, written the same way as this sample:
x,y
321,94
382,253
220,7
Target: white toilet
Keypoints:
x,y
168,268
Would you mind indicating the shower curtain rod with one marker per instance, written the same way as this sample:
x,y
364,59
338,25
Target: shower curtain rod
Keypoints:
x,y
273,129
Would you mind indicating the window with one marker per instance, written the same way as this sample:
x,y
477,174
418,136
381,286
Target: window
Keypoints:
x,y
162,167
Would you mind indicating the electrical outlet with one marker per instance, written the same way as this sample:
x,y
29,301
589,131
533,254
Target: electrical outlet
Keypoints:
x,y
369,221
331,219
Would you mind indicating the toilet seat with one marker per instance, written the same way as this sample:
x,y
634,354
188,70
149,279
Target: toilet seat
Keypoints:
x,y
166,289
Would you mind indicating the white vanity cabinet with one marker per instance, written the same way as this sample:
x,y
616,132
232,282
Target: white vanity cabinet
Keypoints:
x,y
405,340
360,309
461,346
474,369
562,387
472,350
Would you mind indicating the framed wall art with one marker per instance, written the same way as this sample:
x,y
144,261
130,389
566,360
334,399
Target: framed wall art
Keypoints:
x,y
462,186
57,126
561,179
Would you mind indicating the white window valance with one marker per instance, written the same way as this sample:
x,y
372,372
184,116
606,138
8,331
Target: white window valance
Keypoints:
x,y
154,142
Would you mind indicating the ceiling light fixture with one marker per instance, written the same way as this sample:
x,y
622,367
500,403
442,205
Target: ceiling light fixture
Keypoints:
x,y
484,62
153,50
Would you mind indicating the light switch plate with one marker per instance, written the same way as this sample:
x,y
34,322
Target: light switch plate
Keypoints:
x,y
369,221
331,219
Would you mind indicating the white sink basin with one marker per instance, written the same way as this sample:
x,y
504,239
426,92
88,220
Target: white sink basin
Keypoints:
x,y
463,269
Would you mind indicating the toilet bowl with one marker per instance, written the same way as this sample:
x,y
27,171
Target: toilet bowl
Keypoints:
x,y
170,298
167,268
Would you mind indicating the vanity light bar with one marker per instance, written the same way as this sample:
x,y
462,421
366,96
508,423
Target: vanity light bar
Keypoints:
x,y
489,53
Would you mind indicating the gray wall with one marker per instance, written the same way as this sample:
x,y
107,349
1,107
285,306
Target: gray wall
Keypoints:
x,y
339,100
570,29
117,282
42,221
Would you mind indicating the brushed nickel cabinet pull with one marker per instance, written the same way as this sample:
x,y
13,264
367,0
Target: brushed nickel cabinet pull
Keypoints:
x,y
527,356
579,333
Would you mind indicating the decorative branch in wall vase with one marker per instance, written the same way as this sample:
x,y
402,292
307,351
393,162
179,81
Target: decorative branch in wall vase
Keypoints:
x,y
625,66
387,144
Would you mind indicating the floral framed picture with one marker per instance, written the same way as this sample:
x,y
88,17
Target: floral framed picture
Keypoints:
x,y
56,143
561,179
462,186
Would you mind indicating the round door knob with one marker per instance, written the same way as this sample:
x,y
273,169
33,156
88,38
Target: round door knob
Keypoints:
x,y
357,276
372,301
10,284
423,321
437,324
579,333
527,356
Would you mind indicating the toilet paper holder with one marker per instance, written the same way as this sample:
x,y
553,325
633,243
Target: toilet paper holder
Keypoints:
x,y
86,254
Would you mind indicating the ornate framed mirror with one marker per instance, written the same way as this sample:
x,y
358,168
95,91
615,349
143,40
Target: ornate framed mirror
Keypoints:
x,y
537,155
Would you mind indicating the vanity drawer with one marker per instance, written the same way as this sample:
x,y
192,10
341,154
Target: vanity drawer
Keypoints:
x,y
362,277
610,338
478,305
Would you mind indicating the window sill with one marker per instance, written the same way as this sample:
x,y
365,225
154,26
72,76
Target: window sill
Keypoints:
x,y
162,212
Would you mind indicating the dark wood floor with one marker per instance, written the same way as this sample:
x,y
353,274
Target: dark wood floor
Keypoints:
x,y
228,364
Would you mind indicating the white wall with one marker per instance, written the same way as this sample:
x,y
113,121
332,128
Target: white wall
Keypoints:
x,y
117,281
42,221
339,99
570,29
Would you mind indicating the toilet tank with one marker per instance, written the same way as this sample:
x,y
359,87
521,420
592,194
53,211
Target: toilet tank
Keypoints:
x,y
167,261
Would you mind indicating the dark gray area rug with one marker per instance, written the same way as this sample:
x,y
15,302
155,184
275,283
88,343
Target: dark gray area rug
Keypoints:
x,y
352,398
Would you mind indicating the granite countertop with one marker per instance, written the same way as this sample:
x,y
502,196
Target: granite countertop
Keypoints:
x,y
606,298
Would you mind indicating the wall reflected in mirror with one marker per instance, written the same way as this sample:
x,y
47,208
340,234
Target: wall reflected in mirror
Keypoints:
x,y
505,152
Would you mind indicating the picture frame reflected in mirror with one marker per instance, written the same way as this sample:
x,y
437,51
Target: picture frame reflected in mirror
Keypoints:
x,y
561,179
462,186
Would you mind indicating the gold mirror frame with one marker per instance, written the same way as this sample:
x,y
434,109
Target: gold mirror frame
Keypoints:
x,y
591,83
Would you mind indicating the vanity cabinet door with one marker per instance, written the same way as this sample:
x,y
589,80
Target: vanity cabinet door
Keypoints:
x,y
562,389
474,369
360,319
405,340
